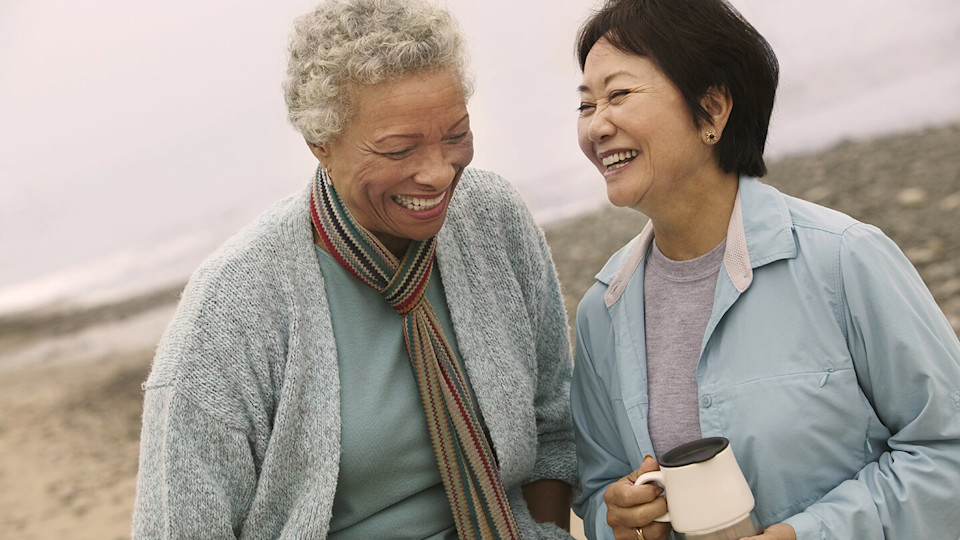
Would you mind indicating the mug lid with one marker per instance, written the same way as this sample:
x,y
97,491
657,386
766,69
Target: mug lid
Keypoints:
x,y
694,452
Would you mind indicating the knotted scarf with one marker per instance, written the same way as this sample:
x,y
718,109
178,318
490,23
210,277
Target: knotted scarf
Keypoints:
x,y
467,464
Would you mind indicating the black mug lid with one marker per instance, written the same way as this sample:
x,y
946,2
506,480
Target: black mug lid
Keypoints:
x,y
694,452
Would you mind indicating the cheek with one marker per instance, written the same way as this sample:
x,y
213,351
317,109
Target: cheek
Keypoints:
x,y
366,186
463,154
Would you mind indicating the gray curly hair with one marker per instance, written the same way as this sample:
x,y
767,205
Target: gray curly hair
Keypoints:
x,y
364,42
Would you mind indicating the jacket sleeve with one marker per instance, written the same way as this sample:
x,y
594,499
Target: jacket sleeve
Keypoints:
x,y
907,359
601,457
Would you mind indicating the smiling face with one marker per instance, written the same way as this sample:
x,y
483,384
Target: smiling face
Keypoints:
x,y
635,127
399,158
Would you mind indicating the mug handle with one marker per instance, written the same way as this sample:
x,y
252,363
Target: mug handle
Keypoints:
x,y
654,476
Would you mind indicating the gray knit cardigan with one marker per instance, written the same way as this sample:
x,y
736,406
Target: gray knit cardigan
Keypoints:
x,y
241,421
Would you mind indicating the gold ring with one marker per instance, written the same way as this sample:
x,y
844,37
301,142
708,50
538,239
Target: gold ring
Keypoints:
x,y
640,534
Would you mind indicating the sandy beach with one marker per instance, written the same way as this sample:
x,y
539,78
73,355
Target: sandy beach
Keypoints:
x,y
70,396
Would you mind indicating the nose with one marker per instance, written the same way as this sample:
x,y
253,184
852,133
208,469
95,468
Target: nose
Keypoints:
x,y
599,125
434,170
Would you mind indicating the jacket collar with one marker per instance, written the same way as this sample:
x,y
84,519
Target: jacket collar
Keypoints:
x,y
760,232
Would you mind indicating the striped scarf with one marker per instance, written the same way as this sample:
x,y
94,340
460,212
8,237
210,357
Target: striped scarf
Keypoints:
x,y
467,464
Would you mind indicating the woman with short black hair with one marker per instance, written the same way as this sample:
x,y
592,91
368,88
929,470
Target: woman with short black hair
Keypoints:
x,y
803,336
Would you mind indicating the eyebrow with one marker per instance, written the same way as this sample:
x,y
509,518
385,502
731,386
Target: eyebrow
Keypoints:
x,y
606,80
418,135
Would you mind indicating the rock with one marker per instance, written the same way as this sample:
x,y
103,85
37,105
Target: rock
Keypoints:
x,y
912,196
950,203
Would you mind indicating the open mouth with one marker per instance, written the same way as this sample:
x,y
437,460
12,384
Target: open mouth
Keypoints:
x,y
418,204
618,160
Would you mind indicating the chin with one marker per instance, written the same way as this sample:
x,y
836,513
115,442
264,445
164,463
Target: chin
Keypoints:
x,y
618,199
422,233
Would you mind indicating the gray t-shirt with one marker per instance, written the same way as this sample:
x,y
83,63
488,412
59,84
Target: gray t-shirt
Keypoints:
x,y
678,298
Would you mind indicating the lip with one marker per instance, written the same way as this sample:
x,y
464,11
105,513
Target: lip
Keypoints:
x,y
430,213
610,174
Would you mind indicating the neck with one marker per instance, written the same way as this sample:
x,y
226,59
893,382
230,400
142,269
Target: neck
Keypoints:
x,y
699,222
397,246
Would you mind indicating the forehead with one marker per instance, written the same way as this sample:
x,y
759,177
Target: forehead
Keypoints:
x,y
607,65
434,96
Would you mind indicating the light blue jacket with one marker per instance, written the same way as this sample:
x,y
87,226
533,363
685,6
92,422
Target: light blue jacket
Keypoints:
x,y
826,362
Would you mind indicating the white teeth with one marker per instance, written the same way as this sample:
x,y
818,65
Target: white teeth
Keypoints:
x,y
417,203
619,159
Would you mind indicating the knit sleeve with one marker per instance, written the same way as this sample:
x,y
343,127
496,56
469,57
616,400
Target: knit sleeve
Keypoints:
x,y
197,476
209,403
556,456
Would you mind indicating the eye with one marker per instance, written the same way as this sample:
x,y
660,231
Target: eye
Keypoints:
x,y
617,96
400,154
459,137
586,108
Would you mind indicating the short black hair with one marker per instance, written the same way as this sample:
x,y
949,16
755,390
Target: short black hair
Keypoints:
x,y
699,45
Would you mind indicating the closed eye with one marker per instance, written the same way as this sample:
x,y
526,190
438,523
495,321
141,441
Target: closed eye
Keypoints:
x,y
617,96
459,137
400,154
585,108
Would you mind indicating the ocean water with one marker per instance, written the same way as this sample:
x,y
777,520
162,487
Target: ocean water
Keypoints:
x,y
135,137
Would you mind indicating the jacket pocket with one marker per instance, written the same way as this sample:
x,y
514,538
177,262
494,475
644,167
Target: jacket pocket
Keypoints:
x,y
797,436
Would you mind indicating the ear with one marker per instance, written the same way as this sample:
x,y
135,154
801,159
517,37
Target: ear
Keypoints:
x,y
318,150
718,104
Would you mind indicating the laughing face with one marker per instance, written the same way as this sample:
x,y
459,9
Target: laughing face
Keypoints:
x,y
635,127
398,160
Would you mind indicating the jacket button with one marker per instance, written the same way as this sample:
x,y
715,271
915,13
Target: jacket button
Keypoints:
x,y
705,402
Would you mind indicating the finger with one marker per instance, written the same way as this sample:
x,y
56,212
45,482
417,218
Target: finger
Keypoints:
x,y
627,495
778,531
652,510
648,464
656,531
636,516
653,531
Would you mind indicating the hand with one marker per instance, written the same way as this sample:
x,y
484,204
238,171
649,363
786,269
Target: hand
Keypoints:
x,y
630,507
780,531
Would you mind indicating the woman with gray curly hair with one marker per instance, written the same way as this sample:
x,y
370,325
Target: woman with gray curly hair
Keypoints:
x,y
376,356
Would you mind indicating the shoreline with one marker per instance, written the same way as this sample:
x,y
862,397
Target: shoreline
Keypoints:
x,y
927,159
70,377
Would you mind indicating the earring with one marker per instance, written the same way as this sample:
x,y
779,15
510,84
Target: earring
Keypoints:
x,y
711,137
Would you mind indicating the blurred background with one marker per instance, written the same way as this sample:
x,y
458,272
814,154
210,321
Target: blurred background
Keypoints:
x,y
137,136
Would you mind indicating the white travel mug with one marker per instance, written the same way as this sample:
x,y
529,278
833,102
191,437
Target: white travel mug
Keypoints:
x,y
707,496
